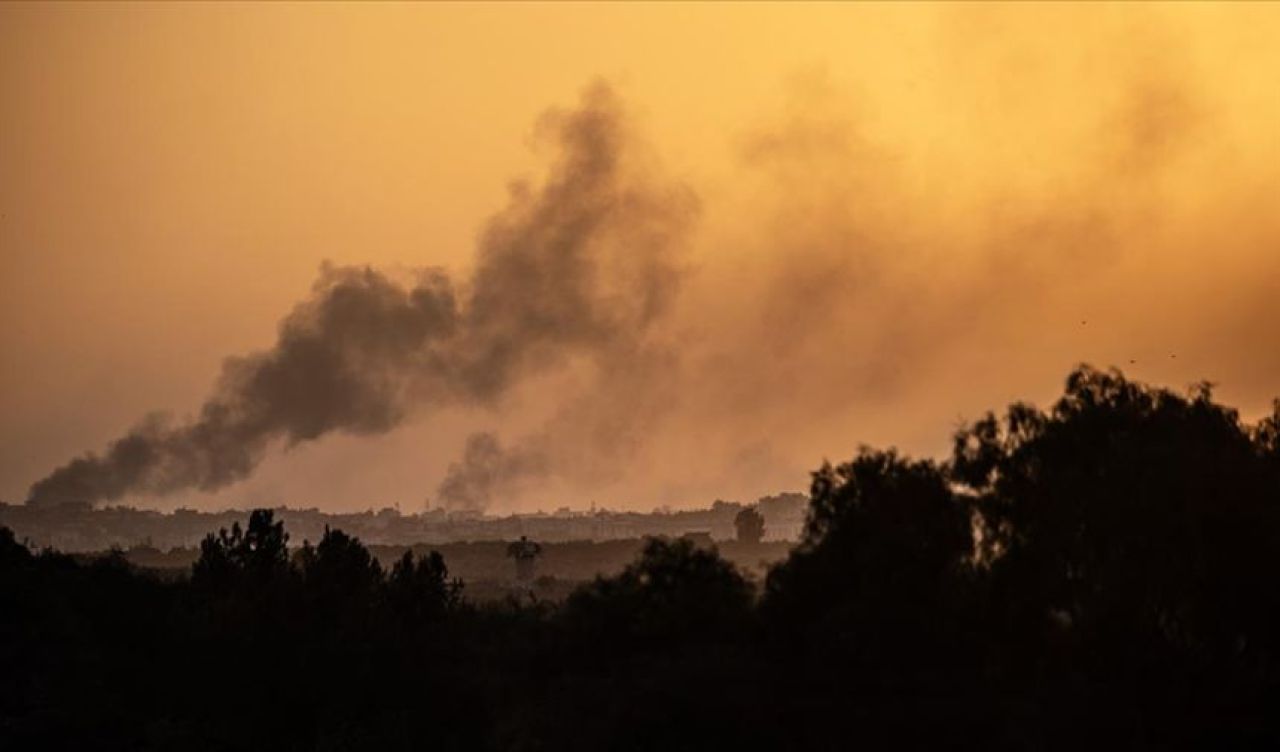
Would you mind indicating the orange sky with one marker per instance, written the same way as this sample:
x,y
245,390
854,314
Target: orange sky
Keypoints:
x,y
909,214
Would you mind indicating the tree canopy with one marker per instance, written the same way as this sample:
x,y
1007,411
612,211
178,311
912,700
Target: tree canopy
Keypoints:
x,y
1101,570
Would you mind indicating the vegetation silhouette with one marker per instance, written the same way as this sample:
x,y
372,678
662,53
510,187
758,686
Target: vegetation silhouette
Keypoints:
x,y
1102,571
525,553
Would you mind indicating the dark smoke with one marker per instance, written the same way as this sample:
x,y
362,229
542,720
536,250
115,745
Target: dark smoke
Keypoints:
x,y
488,469
345,360
584,262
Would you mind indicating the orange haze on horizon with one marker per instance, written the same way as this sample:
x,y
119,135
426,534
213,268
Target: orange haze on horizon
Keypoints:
x,y
906,215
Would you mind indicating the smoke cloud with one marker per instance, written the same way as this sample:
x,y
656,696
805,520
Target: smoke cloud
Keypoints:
x,y
487,469
572,269
850,290
877,258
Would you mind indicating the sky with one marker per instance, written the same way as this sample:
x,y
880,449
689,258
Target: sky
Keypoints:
x,y
872,223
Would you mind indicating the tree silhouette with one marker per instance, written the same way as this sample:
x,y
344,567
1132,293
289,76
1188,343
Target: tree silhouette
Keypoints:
x,y
340,577
1103,569
883,564
1133,514
675,589
419,588
12,553
525,552
259,553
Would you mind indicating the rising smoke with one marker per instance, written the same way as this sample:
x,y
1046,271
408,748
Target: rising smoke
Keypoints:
x,y
486,469
864,277
577,268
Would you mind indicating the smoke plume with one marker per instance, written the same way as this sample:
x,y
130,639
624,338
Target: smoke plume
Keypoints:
x,y
487,469
883,252
575,268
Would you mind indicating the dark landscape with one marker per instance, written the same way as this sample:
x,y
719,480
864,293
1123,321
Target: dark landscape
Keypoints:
x,y
1102,569
628,377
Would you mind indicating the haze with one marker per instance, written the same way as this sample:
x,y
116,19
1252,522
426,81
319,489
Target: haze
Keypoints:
x,y
880,221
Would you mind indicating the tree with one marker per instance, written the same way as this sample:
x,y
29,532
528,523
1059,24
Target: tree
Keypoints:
x,y
419,589
882,570
525,552
12,553
259,553
749,524
340,574
1132,518
673,590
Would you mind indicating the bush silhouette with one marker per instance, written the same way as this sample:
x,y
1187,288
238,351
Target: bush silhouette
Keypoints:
x,y
675,590
419,589
1134,515
884,565
258,553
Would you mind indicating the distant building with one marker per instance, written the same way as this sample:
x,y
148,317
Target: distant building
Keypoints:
x,y
750,526
525,552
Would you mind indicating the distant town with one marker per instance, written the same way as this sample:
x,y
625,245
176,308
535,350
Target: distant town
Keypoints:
x,y
81,528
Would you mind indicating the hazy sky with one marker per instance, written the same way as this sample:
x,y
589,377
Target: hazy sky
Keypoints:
x,y
906,215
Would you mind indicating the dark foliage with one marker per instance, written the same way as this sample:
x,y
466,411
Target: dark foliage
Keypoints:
x,y
675,592
1100,573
